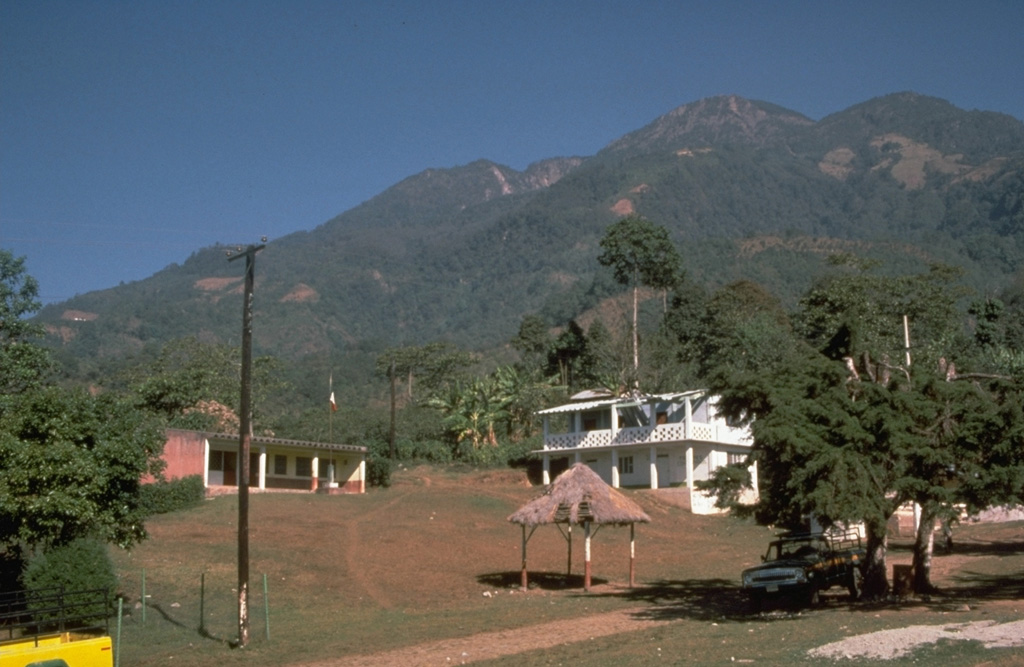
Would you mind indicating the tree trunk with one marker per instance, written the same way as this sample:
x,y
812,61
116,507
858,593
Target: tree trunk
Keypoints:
x,y
876,582
924,547
636,352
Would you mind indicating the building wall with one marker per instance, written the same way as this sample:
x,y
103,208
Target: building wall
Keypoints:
x,y
670,463
184,454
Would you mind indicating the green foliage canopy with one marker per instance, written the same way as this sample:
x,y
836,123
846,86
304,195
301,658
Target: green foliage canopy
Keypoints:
x,y
23,363
844,429
70,463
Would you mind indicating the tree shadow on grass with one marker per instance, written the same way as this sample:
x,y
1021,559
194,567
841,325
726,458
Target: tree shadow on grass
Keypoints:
x,y
720,600
548,581
967,548
978,586
202,632
694,599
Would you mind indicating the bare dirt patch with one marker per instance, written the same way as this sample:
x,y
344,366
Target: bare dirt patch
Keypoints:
x,y
301,293
623,207
215,284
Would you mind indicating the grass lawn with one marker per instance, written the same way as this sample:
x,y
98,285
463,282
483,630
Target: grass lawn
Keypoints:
x,y
433,558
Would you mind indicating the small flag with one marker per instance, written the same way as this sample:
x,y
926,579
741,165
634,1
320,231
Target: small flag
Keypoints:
x,y
330,385
334,406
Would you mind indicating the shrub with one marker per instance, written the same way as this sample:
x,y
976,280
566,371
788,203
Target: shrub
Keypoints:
x,y
178,494
378,470
514,454
430,451
80,565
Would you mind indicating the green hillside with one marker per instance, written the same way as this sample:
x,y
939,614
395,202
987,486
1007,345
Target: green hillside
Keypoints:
x,y
747,190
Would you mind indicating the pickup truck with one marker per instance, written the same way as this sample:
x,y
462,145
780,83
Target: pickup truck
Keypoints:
x,y
54,628
799,566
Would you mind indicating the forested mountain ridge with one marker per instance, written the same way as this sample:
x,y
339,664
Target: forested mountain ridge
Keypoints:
x,y
746,189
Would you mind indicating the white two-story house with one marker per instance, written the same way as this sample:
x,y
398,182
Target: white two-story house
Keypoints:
x,y
655,441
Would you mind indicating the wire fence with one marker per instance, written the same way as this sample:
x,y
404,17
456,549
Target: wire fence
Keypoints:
x,y
209,606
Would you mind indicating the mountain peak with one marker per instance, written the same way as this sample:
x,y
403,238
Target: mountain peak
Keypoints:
x,y
714,120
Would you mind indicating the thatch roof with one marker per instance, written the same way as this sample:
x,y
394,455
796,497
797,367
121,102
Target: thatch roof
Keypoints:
x,y
579,495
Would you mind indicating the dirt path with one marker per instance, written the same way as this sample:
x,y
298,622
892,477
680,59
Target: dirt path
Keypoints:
x,y
488,645
354,530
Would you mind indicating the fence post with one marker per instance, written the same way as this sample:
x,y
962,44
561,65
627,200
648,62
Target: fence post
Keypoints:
x,y
117,646
266,605
202,602
143,596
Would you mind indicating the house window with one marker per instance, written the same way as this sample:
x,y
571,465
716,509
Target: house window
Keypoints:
x,y
280,464
625,465
699,410
632,417
217,461
596,419
303,466
661,418
735,458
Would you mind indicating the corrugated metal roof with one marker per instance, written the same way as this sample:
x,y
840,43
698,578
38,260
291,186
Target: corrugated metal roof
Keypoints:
x,y
283,442
582,405
621,401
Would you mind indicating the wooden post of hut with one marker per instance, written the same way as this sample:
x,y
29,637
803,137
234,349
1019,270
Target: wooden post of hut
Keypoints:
x,y
522,579
632,555
579,496
586,556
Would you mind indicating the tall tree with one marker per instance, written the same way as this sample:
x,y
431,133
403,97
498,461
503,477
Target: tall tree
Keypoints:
x,y
193,384
23,363
843,429
436,365
640,253
533,342
70,463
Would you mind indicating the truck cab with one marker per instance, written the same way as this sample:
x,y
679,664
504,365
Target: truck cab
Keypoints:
x,y
799,566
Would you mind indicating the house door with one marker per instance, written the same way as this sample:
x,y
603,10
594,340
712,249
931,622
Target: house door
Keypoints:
x,y
230,468
254,469
662,466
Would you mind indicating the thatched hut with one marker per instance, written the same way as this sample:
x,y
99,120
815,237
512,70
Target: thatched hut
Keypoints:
x,y
580,497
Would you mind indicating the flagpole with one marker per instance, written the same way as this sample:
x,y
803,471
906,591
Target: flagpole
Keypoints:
x,y
330,410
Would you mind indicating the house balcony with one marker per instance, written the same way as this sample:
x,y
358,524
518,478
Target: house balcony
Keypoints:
x,y
647,435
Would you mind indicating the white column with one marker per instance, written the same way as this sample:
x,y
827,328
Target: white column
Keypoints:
x,y
546,458
316,472
263,468
689,466
615,468
688,424
654,467
578,456
206,463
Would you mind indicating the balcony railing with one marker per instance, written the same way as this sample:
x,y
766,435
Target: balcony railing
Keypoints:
x,y
663,433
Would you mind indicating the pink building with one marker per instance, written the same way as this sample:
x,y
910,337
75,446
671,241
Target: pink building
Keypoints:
x,y
275,464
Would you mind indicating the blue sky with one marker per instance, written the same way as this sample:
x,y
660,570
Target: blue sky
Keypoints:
x,y
135,132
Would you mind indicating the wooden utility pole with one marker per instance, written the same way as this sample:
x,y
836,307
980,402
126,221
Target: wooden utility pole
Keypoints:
x,y
244,441
394,402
